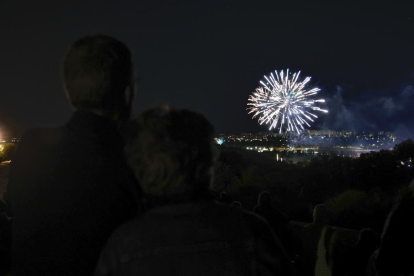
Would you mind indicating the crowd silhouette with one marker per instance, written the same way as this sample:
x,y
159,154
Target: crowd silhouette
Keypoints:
x,y
106,195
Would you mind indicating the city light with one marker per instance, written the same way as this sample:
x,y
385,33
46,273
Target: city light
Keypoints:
x,y
219,141
311,143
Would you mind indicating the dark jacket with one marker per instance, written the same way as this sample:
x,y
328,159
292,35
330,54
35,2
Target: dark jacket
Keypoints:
x,y
200,238
395,257
69,188
317,240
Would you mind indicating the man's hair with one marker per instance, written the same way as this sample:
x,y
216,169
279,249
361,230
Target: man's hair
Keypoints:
x,y
96,72
172,154
265,198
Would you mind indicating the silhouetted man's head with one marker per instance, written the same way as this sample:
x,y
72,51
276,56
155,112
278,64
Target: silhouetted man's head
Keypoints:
x,y
172,154
265,199
320,214
97,74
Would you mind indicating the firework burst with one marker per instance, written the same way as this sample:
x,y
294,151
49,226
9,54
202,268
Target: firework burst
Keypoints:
x,y
284,103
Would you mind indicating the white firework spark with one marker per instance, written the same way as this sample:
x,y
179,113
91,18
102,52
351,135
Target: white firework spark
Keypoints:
x,y
284,103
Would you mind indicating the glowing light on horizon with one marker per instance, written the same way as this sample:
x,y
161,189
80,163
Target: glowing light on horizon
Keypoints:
x,y
284,103
219,141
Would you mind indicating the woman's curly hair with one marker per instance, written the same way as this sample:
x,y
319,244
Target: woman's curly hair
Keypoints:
x,y
172,153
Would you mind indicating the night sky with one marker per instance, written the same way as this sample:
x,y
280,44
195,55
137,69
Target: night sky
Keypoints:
x,y
210,55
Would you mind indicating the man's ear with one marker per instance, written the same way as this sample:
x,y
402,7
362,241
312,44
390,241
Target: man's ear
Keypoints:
x,y
128,95
66,91
67,96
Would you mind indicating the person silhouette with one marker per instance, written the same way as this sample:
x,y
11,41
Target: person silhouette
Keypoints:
x,y
355,260
186,232
269,208
317,238
393,256
5,240
70,186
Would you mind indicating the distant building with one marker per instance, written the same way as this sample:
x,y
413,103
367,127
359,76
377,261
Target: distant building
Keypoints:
x,y
15,140
10,140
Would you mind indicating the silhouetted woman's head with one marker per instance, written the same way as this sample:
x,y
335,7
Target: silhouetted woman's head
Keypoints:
x,y
172,154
